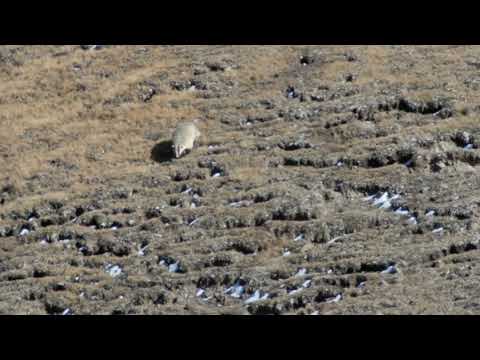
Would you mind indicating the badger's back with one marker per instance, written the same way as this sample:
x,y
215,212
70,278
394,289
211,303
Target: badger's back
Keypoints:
x,y
185,134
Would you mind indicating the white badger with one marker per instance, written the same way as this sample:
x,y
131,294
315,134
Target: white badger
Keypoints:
x,y
185,138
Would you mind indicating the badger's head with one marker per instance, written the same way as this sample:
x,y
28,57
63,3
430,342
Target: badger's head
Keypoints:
x,y
179,150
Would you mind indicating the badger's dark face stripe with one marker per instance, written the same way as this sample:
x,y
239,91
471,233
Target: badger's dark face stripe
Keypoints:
x,y
179,151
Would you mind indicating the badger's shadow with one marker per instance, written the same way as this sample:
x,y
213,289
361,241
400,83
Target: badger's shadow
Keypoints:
x,y
163,152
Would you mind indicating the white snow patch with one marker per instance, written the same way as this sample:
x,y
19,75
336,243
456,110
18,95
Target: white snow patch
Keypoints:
x,y
235,291
114,270
24,232
336,299
67,312
307,284
256,297
240,204
384,201
141,252
194,222
335,240
390,270
173,268
301,272
95,47
436,231
402,211
381,199
300,237
386,205
296,291
430,214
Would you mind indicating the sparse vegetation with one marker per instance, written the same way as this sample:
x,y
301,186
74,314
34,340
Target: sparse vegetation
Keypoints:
x,y
267,215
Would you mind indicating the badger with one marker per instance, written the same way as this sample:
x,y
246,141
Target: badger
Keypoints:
x,y
185,137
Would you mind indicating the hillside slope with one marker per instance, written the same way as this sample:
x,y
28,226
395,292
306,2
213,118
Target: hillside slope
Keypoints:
x,y
329,180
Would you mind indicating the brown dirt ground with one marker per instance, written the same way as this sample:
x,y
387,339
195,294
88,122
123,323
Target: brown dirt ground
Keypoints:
x,y
97,218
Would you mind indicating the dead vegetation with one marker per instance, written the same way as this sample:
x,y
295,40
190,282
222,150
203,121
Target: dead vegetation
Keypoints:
x,y
268,214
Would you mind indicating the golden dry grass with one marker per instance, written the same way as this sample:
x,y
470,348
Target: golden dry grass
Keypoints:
x,y
59,126
74,134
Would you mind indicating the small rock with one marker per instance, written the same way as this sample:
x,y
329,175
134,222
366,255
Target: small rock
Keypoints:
x,y
349,78
292,93
462,139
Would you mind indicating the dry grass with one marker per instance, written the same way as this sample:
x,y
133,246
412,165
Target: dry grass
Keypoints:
x,y
55,125
52,122
74,129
